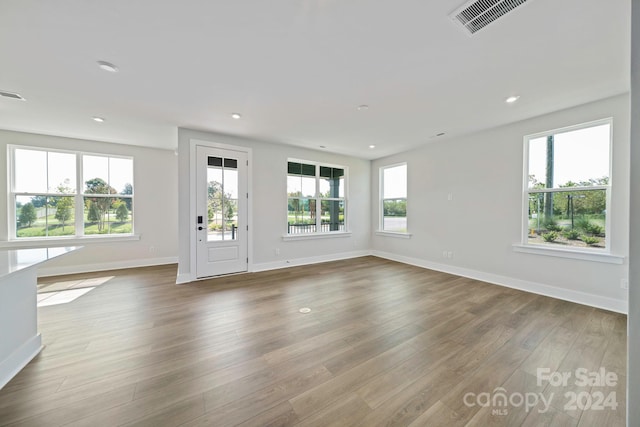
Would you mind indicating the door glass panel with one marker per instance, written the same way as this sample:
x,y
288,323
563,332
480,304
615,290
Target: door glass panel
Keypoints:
x,y
222,199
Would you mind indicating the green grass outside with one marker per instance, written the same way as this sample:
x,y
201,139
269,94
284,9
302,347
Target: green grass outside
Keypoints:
x,y
39,228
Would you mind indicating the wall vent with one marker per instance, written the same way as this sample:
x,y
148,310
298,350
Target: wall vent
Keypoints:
x,y
474,15
11,95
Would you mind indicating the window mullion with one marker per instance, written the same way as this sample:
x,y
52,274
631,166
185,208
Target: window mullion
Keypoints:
x,y
318,201
79,198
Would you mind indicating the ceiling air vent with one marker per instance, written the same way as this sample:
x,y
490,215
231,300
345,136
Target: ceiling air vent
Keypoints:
x,y
11,95
477,14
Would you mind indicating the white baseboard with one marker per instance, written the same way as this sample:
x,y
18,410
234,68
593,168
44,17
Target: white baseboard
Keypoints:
x,y
584,298
265,266
13,364
183,278
117,265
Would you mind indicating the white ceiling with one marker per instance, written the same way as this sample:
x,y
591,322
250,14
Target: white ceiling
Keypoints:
x,y
297,69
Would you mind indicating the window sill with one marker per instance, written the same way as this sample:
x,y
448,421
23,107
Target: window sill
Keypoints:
x,y
597,256
310,236
396,234
66,241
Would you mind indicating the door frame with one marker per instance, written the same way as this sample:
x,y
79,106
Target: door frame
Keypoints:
x,y
193,143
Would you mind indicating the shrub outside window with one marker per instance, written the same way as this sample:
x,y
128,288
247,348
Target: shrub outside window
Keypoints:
x,y
316,198
57,194
567,187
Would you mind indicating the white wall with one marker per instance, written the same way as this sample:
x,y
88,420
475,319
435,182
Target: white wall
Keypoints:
x,y
483,172
155,205
269,198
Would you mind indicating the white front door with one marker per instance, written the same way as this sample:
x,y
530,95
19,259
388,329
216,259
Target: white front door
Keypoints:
x,y
221,211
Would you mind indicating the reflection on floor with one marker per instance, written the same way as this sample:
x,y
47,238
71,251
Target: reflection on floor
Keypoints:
x,y
67,291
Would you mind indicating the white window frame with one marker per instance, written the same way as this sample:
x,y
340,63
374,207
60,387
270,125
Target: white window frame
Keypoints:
x,y
589,254
321,234
78,196
381,231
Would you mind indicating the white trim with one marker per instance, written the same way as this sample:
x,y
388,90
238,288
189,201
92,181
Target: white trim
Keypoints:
x,y
397,234
578,297
309,236
579,126
266,266
105,266
13,364
183,278
62,241
570,253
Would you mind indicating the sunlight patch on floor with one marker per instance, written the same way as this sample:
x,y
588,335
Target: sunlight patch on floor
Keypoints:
x,y
66,291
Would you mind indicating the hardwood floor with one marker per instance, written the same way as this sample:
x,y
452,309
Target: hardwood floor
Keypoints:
x,y
385,344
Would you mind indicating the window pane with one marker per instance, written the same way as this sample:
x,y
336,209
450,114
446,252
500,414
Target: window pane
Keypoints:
x,y
231,183
301,216
214,161
214,203
60,216
95,171
121,174
395,182
308,170
332,187
579,157
294,186
222,202
30,171
120,216
332,212
572,219
98,212
31,216
301,186
394,215
294,168
61,173
230,216
308,187
301,181
231,163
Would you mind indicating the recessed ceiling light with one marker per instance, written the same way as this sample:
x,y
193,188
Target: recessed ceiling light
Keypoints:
x,y
236,116
363,107
372,146
98,119
107,66
512,99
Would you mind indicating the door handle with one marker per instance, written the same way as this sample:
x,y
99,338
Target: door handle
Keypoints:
x,y
200,228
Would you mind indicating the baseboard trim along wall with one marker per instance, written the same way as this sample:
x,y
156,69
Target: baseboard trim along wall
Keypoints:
x,y
117,265
296,262
612,304
13,364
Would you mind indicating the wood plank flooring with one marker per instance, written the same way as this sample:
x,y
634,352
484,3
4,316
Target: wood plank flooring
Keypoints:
x,y
385,344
